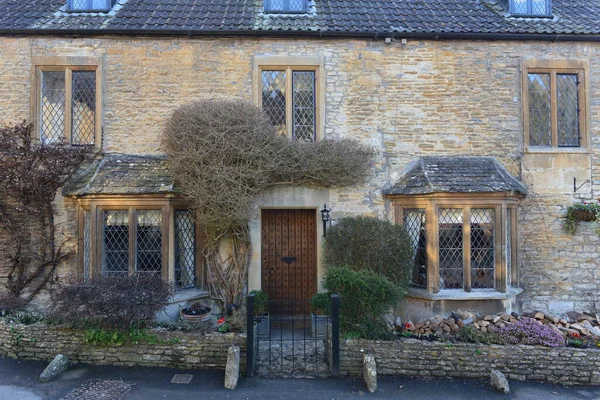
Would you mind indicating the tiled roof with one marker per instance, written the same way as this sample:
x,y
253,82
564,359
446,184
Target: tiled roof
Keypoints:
x,y
326,17
462,174
121,174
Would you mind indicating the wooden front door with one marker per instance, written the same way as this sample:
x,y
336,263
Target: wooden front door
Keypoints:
x,y
289,257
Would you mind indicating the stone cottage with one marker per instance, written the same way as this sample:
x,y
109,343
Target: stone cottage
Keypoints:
x,y
484,115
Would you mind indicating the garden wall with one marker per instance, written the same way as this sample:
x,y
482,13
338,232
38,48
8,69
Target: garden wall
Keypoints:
x,y
411,357
193,351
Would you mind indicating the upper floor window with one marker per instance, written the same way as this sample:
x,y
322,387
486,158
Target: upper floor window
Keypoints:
x,y
67,103
555,105
89,5
286,6
531,7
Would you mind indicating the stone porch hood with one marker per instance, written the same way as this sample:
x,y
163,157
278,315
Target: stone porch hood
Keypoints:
x,y
121,174
455,174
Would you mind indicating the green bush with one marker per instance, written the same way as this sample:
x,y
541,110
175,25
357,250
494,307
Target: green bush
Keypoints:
x,y
365,297
261,302
320,303
366,243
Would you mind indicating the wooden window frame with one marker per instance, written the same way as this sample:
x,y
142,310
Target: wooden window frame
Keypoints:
x,y
289,64
96,207
554,67
67,64
433,203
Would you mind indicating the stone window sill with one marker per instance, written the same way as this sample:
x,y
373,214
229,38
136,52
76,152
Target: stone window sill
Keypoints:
x,y
557,150
481,294
188,294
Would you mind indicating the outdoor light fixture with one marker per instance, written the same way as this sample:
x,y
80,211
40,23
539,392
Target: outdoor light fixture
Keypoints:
x,y
325,218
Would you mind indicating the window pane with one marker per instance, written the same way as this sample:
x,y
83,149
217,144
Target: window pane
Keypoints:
x,y
149,241
297,5
83,107
273,99
185,253
567,100
539,7
52,106
540,132
87,5
520,7
482,248
86,245
414,223
115,255
286,5
451,248
304,127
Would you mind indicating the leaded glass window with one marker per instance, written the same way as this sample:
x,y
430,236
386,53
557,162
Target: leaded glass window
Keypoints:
x,y
148,250
450,248
185,252
67,105
540,133
86,245
286,6
89,5
414,223
483,259
115,251
531,7
289,99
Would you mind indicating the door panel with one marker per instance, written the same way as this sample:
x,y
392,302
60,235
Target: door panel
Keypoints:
x,y
289,256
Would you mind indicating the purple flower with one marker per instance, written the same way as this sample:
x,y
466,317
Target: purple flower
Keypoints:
x,y
532,332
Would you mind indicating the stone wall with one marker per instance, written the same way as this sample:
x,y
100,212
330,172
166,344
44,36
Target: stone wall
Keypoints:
x,y
423,98
194,351
411,357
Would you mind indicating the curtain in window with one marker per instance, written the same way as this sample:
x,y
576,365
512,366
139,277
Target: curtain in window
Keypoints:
x,y
185,252
52,106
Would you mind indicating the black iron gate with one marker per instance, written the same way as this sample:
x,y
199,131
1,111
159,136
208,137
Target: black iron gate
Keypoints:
x,y
285,343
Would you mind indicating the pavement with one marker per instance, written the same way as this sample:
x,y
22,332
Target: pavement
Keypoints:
x,y
18,381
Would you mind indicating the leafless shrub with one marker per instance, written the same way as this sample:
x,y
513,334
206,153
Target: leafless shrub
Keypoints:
x,y
112,302
223,154
30,175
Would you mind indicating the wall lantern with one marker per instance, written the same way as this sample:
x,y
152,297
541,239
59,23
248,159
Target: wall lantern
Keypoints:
x,y
325,218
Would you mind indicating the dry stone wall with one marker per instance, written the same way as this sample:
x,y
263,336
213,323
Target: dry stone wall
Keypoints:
x,y
411,357
193,351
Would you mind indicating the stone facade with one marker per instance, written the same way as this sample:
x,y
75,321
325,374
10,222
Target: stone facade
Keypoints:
x,y
426,97
194,351
411,357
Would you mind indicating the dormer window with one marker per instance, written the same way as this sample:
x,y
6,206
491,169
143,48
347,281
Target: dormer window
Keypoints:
x,y
286,6
531,8
89,5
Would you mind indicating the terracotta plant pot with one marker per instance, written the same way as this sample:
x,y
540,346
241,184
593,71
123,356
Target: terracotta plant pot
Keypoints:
x,y
583,215
195,314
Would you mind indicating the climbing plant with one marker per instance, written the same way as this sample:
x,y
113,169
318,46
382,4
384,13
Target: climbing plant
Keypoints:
x,y
30,175
223,154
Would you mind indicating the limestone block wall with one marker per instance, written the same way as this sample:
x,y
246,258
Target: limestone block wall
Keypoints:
x,y
422,98
44,342
411,357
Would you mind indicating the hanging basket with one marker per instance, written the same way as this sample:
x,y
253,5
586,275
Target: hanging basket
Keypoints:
x,y
583,215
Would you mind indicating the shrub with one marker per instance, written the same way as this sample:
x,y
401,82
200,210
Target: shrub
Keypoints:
x,y
532,332
365,297
112,302
373,244
261,302
321,303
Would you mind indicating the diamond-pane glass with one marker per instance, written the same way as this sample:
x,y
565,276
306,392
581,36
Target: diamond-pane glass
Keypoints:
x,y
482,248
83,107
414,223
115,254
304,121
540,131
297,5
520,6
86,245
185,252
89,5
273,99
509,246
539,7
286,6
52,107
567,101
451,248
149,241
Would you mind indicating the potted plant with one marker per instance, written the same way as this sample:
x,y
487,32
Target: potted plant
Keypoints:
x,y
196,312
320,305
261,314
582,212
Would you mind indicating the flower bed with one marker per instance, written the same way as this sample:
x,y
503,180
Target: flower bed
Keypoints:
x,y
40,341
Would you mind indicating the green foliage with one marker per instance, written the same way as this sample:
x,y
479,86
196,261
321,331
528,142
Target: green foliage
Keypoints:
x,y
365,297
261,301
366,243
321,303
224,327
182,325
572,216
25,317
96,336
469,334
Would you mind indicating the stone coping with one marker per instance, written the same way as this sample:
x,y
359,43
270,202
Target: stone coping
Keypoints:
x,y
483,294
192,350
412,357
